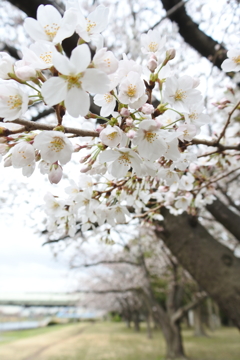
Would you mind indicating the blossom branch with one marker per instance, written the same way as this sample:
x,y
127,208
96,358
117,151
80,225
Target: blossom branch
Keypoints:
x,y
29,125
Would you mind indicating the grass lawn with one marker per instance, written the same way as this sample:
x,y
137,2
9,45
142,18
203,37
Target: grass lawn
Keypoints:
x,y
113,341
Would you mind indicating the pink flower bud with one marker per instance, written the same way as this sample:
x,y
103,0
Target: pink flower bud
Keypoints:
x,y
8,162
129,121
131,134
124,112
84,159
147,109
55,174
152,65
170,54
85,168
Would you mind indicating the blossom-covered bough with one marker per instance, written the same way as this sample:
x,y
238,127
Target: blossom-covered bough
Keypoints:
x,y
137,155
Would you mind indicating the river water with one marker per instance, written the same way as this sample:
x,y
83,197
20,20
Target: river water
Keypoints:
x,y
21,325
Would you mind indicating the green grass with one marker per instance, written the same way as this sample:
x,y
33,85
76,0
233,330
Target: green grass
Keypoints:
x,y
8,336
113,341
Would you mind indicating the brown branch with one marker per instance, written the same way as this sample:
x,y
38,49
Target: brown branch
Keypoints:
x,y
29,125
184,309
170,12
228,122
107,262
215,180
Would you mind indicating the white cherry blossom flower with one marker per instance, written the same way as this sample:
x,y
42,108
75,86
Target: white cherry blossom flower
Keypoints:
x,y
180,93
38,56
105,61
131,88
183,202
111,136
6,65
121,161
54,146
186,182
72,86
23,154
107,102
152,42
188,131
233,63
13,101
50,26
150,145
89,28
125,66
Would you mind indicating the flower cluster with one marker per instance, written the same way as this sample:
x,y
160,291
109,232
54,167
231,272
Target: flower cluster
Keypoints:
x,y
140,157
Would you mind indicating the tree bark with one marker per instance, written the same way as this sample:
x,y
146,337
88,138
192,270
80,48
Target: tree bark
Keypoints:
x,y
189,30
213,265
198,323
226,217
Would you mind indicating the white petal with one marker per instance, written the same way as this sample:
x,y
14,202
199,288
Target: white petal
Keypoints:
x,y
63,64
81,58
77,102
95,81
54,91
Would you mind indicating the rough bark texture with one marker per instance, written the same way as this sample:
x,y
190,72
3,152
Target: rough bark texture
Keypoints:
x,y
229,219
213,265
189,30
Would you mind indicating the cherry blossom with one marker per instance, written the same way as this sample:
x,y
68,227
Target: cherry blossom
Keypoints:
x,y
50,26
75,80
54,146
121,161
111,136
233,61
152,42
13,101
6,65
131,88
23,154
180,93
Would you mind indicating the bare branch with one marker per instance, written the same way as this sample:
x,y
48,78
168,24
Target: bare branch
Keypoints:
x,y
107,262
184,309
29,125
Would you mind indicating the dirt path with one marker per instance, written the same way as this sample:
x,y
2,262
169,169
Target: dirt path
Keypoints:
x,y
35,347
36,355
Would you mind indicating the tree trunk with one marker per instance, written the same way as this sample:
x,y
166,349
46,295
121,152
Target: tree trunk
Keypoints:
x,y
212,264
198,323
136,321
149,329
226,217
173,337
171,333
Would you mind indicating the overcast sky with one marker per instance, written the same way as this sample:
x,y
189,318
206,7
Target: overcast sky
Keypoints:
x,y
26,265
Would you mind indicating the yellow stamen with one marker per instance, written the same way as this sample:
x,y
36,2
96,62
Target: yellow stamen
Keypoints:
x,y
14,101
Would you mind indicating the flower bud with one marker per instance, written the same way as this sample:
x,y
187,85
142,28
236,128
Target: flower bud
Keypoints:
x,y
129,121
124,112
147,109
152,65
170,54
55,174
131,134
8,161
84,159
85,168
